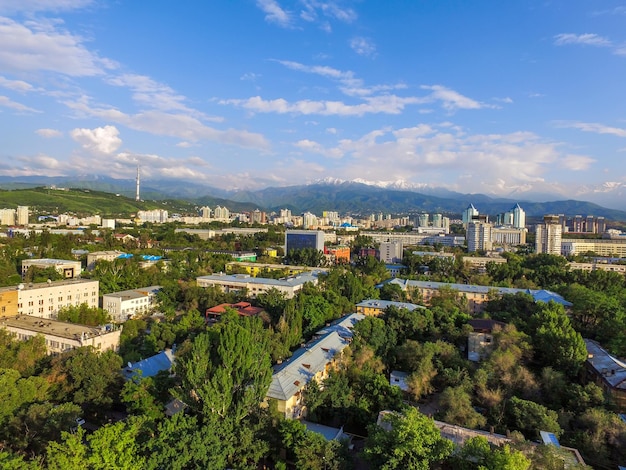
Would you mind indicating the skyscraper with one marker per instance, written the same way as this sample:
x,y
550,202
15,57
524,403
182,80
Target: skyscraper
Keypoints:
x,y
548,235
22,215
468,214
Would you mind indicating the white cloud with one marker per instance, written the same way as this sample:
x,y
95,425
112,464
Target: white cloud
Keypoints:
x,y
585,39
152,94
384,104
446,156
16,85
184,127
9,103
42,46
48,133
452,100
363,46
592,127
101,140
577,162
274,13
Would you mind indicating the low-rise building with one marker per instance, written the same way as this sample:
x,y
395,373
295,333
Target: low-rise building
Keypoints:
x,y
311,362
96,256
69,269
44,299
480,341
124,305
150,366
254,269
476,295
62,336
256,285
608,372
376,307
243,309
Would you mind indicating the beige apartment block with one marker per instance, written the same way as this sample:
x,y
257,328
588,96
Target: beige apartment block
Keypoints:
x,y
44,299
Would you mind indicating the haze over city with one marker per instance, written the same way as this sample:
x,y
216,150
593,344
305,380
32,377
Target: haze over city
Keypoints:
x,y
502,98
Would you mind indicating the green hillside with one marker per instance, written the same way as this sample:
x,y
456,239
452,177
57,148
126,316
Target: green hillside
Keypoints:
x,y
82,202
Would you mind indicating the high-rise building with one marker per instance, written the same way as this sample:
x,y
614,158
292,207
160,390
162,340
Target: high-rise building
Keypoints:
x,y
309,220
221,213
437,220
548,235
205,212
479,235
390,252
519,217
422,220
22,215
7,217
468,214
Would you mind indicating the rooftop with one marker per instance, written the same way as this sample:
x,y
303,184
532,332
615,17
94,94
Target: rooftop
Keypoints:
x,y
54,327
43,285
383,304
247,279
612,370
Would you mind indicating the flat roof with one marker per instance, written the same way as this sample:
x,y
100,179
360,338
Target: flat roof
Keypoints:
x,y
308,276
134,293
383,304
42,285
49,261
52,327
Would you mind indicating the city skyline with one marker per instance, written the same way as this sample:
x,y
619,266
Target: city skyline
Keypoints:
x,y
502,99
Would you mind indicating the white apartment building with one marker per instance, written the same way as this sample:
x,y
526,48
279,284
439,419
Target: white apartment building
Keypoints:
x,y
391,252
126,304
508,236
95,256
44,299
68,268
157,216
548,236
479,236
256,285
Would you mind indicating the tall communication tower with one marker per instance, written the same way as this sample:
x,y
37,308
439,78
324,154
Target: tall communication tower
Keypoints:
x,y
137,193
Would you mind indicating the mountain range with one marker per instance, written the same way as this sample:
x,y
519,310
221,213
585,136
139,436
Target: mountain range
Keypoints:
x,y
354,197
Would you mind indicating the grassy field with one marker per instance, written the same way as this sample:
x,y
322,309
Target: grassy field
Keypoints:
x,y
83,202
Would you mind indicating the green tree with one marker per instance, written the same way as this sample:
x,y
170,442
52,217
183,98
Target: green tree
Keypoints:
x,y
83,314
456,408
530,418
227,370
406,440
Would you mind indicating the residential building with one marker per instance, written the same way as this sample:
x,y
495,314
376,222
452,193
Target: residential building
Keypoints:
x,y
256,285
96,256
475,295
7,217
205,212
422,220
478,236
221,213
479,263
22,215
69,269
376,307
313,361
605,247
124,305
480,340
157,216
608,372
598,266
338,253
254,269
548,236
391,252
46,298
61,336
299,239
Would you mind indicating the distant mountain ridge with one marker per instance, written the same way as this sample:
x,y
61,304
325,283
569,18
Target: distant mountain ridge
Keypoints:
x,y
354,197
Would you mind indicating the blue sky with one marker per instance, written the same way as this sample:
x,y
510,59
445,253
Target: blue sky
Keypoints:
x,y
504,98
